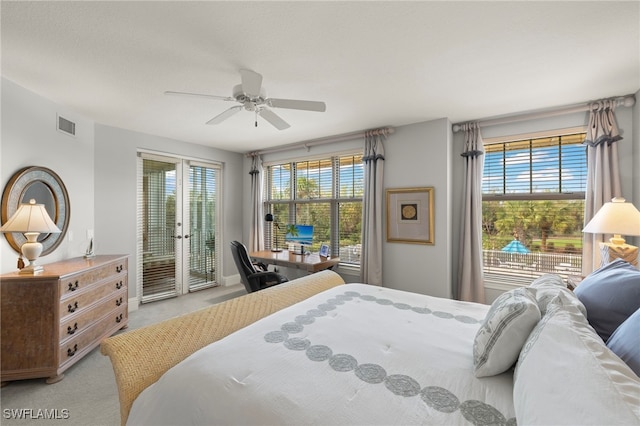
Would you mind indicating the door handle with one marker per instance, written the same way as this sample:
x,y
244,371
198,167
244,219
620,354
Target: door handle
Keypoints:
x,y
186,236
178,237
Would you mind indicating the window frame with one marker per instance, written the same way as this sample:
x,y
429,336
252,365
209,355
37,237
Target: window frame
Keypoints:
x,y
334,201
498,279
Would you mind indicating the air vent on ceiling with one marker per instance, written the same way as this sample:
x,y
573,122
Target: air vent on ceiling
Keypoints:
x,y
66,126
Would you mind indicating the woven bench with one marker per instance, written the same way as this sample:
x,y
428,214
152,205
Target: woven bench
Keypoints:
x,y
140,357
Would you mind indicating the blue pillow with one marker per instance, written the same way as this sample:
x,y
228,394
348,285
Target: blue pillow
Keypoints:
x,y
611,294
625,342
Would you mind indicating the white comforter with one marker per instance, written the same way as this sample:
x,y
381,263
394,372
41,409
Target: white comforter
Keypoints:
x,y
353,355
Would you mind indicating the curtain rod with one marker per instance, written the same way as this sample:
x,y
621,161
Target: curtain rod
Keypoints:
x,y
626,101
321,141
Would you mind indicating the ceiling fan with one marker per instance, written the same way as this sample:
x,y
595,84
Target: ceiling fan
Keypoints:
x,y
252,97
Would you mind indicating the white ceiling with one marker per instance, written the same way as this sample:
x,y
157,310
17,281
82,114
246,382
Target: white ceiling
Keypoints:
x,y
373,63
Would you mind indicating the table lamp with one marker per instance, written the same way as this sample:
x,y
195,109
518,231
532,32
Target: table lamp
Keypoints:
x,y
269,218
618,218
31,219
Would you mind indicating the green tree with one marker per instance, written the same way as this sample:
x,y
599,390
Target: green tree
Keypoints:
x,y
307,188
489,216
514,220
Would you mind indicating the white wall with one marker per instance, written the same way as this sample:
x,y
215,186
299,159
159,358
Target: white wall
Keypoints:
x,y
98,168
101,160
30,138
635,155
115,183
416,155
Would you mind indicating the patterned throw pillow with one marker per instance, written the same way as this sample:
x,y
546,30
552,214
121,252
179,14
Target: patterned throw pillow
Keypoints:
x,y
504,330
548,287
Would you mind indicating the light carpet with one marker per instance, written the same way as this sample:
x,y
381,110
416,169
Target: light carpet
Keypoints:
x,y
87,396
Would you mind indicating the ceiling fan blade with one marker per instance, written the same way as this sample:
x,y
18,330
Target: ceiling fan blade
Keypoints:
x,y
251,83
199,95
274,119
296,104
226,114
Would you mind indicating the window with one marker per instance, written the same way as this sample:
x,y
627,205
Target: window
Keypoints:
x,y
326,193
533,193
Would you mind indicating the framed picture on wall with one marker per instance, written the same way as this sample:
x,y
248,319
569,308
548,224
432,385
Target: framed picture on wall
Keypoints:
x,y
410,215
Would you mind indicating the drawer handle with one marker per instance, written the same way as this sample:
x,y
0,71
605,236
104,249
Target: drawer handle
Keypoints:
x,y
72,308
119,268
119,302
73,286
72,330
119,318
71,352
119,285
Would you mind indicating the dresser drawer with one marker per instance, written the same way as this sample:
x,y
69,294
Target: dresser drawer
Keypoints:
x,y
75,347
51,320
72,284
75,324
96,292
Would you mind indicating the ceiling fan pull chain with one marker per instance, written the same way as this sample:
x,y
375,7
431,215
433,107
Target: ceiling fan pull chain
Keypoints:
x,y
256,112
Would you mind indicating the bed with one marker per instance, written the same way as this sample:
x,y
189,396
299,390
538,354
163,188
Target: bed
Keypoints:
x,y
318,351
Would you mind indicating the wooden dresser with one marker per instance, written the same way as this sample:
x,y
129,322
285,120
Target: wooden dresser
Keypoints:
x,y
51,320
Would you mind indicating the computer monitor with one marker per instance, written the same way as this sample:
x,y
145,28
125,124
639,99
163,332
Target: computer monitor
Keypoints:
x,y
300,234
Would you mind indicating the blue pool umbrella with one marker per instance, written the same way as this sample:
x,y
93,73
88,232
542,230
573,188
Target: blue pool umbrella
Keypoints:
x,y
515,246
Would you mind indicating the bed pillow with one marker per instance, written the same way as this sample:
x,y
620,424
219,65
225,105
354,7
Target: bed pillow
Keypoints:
x,y
610,294
565,375
504,330
625,342
547,288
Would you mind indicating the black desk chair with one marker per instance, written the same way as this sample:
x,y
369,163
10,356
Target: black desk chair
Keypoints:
x,y
253,278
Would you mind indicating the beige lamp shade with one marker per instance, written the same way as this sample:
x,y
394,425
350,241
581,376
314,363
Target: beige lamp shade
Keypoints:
x,y
32,220
30,217
616,217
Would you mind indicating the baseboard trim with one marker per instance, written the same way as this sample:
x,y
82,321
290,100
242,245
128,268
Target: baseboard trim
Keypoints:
x,y
133,304
231,280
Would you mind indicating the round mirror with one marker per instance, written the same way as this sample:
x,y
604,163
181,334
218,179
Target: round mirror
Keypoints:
x,y
41,192
46,187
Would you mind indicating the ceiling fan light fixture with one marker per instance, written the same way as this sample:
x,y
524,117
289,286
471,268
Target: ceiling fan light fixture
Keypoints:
x,y
253,97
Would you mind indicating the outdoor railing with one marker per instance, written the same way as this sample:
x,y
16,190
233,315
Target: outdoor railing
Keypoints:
x,y
532,264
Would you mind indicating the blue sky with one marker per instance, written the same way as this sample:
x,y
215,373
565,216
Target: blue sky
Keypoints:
x,y
349,176
544,171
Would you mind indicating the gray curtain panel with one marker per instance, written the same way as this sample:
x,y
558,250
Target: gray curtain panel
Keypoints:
x,y
470,273
372,208
603,174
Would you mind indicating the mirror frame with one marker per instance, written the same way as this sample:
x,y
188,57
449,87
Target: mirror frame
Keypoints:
x,y
13,195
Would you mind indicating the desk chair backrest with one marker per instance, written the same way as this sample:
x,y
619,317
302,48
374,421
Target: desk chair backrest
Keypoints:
x,y
243,263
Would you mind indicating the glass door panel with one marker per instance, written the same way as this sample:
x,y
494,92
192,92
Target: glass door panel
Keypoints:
x,y
201,223
157,218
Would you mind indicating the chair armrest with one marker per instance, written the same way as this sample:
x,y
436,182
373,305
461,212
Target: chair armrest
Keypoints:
x,y
265,274
262,266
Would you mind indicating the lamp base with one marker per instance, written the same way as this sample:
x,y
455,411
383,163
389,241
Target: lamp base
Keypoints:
x,y
31,270
610,252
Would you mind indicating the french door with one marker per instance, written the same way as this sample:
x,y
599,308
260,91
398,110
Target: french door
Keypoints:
x,y
178,223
